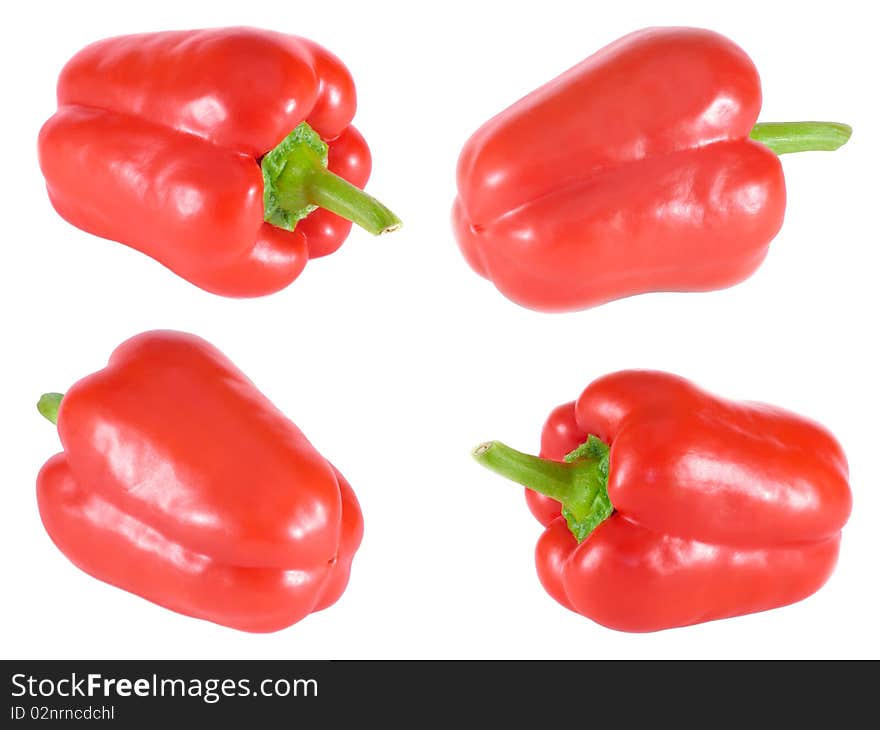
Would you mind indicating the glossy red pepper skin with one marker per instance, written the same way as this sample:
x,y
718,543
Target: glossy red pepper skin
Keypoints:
x,y
632,172
182,483
721,508
157,140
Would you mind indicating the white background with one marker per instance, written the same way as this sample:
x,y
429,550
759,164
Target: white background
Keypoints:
x,y
396,359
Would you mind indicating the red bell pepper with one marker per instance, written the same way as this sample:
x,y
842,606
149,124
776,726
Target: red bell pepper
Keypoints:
x,y
640,169
182,483
227,154
666,506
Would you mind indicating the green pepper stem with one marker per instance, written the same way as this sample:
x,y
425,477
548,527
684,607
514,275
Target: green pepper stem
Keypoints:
x,y
327,190
296,181
785,137
48,406
580,485
550,478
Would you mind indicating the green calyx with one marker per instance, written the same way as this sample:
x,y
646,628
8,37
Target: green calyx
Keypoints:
x,y
579,483
298,152
48,406
296,182
593,506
